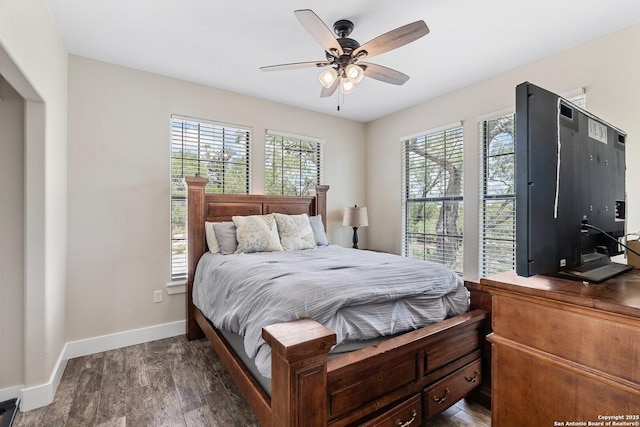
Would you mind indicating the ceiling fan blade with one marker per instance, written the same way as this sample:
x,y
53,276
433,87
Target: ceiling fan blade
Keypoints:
x,y
393,39
295,65
383,74
330,90
319,31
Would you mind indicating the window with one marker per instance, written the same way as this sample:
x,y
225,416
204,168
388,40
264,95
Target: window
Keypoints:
x,y
433,215
217,151
292,163
498,204
498,198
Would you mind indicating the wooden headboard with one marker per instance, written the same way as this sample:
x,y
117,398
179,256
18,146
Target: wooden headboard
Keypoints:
x,y
213,207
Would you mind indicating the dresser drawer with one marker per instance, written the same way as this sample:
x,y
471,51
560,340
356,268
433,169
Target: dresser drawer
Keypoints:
x,y
452,388
582,335
408,413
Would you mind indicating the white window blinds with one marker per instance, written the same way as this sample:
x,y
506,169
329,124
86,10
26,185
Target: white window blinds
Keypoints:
x,y
292,163
433,202
217,151
497,208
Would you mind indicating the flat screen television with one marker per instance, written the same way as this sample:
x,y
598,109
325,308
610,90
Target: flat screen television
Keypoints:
x,y
570,189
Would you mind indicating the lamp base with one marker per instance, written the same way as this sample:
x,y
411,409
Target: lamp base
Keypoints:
x,y
355,238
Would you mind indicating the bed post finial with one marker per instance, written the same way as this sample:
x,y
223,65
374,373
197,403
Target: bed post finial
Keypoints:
x,y
196,245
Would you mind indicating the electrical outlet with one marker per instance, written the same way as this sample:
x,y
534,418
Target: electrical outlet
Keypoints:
x,y
157,296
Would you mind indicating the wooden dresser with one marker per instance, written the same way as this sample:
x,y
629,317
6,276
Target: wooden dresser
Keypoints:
x,y
564,353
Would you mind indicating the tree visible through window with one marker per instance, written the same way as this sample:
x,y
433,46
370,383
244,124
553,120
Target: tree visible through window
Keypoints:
x,y
498,204
291,164
217,151
433,217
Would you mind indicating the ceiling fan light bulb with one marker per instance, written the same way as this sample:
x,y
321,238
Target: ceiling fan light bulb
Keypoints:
x,y
328,77
347,86
355,73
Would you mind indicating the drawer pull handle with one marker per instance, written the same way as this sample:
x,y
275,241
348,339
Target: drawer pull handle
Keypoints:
x,y
400,423
440,400
474,378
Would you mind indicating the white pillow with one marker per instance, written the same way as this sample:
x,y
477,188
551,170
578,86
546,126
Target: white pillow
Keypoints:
x,y
257,233
212,241
295,231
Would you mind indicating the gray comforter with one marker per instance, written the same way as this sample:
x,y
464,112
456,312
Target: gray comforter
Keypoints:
x,y
358,294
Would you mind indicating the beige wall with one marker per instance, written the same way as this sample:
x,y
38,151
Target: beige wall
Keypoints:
x,y
608,68
33,59
12,232
119,250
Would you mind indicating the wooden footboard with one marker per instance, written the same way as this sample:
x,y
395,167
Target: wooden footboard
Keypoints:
x,y
414,376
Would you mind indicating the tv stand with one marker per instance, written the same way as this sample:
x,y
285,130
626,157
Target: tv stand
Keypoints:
x,y
596,267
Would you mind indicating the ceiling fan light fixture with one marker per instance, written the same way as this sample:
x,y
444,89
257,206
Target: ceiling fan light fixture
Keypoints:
x,y
355,73
328,77
347,86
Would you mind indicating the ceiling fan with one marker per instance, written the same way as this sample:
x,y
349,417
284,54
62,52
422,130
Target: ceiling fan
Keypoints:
x,y
344,55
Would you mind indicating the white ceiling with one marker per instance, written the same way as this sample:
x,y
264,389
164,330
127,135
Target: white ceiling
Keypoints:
x,y
223,43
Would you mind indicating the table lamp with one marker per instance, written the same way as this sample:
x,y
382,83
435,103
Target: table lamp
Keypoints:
x,y
355,217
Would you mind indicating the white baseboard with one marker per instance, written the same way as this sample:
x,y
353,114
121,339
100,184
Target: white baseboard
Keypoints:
x,y
43,394
124,339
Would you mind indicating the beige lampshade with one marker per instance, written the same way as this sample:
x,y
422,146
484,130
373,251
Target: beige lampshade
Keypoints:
x,y
355,217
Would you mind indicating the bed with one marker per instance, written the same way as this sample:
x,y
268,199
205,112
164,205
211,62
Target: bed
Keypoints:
x,y
402,380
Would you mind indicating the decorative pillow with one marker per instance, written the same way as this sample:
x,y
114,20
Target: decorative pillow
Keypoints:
x,y
318,230
212,241
257,233
226,236
295,231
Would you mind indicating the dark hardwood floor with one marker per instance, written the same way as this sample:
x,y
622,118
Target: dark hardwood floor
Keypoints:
x,y
171,382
